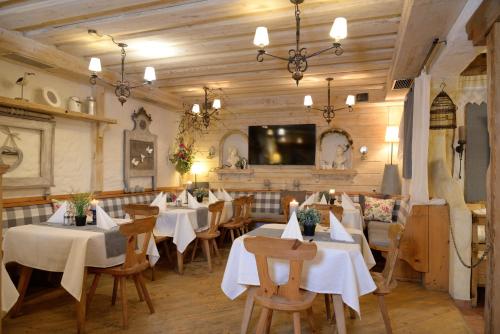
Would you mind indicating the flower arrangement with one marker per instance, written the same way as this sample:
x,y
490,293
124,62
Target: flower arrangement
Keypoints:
x,y
200,192
81,203
182,158
309,216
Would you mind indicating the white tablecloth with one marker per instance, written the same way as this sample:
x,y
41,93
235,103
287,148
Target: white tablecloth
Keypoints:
x,y
62,250
182,224
353,218
9,291
338,268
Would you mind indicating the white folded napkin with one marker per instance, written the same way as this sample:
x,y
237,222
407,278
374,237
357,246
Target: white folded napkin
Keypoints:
x,y
310,200
292,229
104,221
347,202
337,231
193,203
227,197
58,216
211,197
219,194
323,200
160,201
182,196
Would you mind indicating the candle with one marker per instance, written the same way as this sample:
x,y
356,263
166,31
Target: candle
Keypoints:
x,y
93,203
332,191
332,196
294,205
461,133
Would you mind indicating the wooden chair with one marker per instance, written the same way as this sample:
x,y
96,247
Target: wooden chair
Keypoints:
x,y
288,297
247,219
135,263
324,211
235,225
285,204
208,236
145,210
384,280
338,211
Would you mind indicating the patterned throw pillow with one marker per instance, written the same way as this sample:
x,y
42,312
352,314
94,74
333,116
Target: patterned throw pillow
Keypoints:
x,y
379,209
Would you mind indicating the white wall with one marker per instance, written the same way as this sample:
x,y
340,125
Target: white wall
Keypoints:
x,y
73,139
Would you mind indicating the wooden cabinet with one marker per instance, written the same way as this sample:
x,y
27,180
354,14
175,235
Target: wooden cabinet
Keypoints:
x,y
478,273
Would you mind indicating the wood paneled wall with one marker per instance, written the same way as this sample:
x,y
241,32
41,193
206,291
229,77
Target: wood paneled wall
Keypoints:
x,y
366,124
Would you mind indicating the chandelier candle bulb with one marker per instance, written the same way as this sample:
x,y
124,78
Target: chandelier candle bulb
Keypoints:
x,y
308,101
261,38
149,74
196,109
339,29
216,104
95,65
351,100
294,205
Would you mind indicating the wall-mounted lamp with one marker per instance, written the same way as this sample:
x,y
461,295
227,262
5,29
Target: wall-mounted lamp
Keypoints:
x,y
391,184
196,169
460,148
364,152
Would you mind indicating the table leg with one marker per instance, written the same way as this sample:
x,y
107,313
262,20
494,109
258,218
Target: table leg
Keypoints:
x,y
22,287
180,262
81,306
338,306
247,313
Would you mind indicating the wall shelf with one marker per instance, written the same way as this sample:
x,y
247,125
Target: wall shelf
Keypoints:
x,y
234,172
334,173
48,110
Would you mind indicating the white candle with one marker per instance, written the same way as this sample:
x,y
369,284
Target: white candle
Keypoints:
x,y
294,205
93,203
332,191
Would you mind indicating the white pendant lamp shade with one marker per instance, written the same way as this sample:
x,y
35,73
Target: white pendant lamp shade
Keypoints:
x,y
149,74
351,100
339,29
392,134
196,109
308,101
261,38
216,104
95,65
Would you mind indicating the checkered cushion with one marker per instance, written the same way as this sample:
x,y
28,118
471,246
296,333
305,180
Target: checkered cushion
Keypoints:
x,y
31,214
403,212
113,205
378,233
265,201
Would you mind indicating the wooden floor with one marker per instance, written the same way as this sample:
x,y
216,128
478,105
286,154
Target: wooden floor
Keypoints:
x,y
194,303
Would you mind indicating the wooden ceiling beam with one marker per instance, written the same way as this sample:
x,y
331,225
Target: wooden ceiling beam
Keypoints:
x,y
76,67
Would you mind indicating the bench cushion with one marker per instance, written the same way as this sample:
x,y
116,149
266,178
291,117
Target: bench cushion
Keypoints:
x,y
24,215
113,205
265,201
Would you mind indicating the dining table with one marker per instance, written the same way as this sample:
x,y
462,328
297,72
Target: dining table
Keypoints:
x,y
353,217
340,268
182,222
68,249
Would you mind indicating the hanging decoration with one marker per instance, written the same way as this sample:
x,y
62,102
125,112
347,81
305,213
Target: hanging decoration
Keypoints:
x,y
443,112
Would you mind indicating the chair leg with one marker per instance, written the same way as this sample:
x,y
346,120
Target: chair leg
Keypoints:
x,y
92,289
247,313
22,287
232,235
206,246
138,287
328,306
153,273
216,250
296,323
146,293
262,325
338,306
385,314
123,298
195,247
352,313
167,251
310,319
116,283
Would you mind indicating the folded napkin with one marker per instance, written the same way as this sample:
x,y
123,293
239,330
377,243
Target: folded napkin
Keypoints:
x,y
323,200
211,197
104,221
219,194
347,202
292,229
193,203
310,200
58,216
227,197
182,196
337,231
160,201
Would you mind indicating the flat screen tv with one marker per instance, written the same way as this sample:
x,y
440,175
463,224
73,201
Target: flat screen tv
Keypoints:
x,y
282,144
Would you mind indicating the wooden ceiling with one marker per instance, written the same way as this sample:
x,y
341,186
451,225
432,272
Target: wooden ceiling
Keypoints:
x,y
196,43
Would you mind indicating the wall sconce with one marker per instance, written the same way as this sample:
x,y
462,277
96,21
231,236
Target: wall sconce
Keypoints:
x,y
460,148
211,152
364,152
196,169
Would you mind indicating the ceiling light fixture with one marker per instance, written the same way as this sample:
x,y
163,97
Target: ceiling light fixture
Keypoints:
x,y
122,87
297,58
329,110
208,110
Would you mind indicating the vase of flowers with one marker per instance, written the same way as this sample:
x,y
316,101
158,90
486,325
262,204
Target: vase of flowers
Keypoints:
x,y
199,193
182,158
81,203
308,218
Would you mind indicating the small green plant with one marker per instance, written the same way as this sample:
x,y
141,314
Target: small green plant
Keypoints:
x,y
309,216
200,192
81,202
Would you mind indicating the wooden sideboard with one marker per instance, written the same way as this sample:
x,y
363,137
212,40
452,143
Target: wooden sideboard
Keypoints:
x,y
424,253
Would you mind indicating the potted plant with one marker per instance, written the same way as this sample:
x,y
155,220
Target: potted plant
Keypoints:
x,y
81,204
199,193
309,218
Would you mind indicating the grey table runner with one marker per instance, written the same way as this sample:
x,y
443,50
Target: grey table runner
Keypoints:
x,y
115,242
202,217
318,236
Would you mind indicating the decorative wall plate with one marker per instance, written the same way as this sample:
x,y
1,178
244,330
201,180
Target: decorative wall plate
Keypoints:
x,y
51,97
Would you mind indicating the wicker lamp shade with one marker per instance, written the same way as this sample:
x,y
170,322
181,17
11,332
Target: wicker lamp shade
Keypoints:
x,y
443,113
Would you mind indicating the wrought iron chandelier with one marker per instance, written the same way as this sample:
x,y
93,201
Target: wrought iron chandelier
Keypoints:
x,y
208,110
122,87
297,58
329,110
